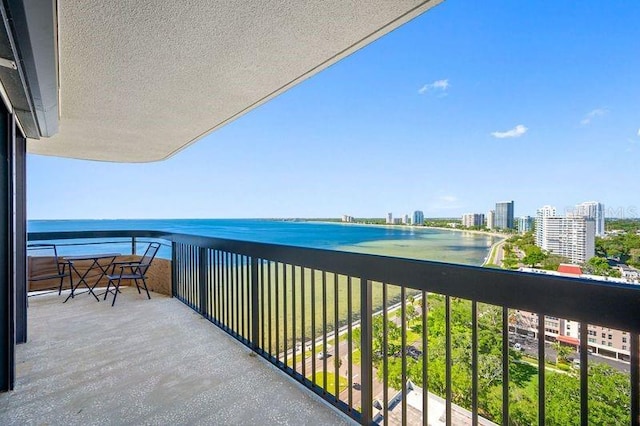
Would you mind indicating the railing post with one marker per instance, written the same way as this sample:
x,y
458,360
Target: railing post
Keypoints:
x,y
255,319
203,274
174,269
366,358
133,246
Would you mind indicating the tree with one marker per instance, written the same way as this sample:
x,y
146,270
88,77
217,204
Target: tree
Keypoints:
x,y
533,255
562,351
634,258
598,266
552,262
411,312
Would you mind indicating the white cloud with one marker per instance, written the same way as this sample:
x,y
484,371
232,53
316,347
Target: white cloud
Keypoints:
x,y
441,85
516,132
598,112
448,198
638,132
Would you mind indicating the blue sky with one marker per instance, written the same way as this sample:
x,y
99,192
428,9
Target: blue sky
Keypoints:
x,y
462,107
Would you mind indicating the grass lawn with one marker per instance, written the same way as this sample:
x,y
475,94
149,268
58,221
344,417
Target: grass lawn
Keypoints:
x,y
331,382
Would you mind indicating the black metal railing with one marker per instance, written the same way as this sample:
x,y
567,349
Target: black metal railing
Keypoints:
x,y
366,331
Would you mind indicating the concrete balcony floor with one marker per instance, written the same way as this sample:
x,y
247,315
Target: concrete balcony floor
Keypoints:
x,y
145,362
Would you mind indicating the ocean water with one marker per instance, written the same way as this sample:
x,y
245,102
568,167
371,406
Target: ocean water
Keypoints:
x,y
411,242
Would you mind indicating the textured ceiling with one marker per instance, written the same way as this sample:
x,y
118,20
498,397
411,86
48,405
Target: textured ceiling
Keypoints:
x,y
142,79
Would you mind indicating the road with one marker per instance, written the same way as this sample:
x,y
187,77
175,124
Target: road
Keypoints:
x,y
530,347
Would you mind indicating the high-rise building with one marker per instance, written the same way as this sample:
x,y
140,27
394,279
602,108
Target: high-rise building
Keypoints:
x,y
504,215
570,236
593,210
525,224
418,218
389,218
541,213
491,219
406,220
471,220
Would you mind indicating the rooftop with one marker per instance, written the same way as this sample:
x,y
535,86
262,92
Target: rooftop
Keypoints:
x,y
146,362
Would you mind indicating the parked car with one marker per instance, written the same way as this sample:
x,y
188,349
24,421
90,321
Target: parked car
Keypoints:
x,y
323,355
517,347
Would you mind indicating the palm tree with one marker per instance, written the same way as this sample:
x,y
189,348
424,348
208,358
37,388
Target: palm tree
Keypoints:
x,y
562,351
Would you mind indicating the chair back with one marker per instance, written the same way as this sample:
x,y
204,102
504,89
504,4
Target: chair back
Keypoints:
x,y
147,258
43,262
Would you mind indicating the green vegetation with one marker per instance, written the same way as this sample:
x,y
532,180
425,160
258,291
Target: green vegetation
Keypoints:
x,y
599,266
441,222
627,225
318,379
609,390
510,259
623,246
534,256
562,352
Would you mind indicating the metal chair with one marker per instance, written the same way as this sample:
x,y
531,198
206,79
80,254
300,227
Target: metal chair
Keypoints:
x,y
46,265
135,270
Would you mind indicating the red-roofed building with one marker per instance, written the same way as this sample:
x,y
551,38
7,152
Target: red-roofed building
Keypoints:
x,y
566,268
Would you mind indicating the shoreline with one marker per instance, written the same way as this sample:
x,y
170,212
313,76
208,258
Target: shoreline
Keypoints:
x,y
496,246
501,235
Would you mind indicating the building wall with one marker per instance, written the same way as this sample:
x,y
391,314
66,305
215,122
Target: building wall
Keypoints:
x,y
525,224
570,236
541,213
593,210
504,215
601,340
491,219
418,217
473,219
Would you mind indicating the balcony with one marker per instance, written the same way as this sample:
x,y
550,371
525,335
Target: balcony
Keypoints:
x,y
333,322
145,362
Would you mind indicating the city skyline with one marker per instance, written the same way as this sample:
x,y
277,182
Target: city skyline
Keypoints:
x,y
429,117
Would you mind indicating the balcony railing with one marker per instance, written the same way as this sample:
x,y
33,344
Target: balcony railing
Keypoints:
x,y
354,328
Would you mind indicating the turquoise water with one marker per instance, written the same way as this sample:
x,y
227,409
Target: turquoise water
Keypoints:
x,y
419,243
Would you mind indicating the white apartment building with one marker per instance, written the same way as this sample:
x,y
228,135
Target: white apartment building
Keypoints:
x,y
541,213
472,219
593,210
491,219
570,236
389,218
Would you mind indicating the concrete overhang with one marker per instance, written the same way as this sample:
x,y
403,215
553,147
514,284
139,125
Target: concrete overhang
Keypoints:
x,y
140,80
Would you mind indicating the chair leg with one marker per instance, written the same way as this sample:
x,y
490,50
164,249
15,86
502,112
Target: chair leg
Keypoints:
x,y
144,282
137,286
60,287
115,293
107,291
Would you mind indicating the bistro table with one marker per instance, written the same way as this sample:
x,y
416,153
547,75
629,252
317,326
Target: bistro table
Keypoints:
x,y
100,263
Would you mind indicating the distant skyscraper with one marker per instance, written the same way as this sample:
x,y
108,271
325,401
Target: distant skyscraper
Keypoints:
x,y
491,219
418,217
390,218
541,213
525,224
504,215
593,210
